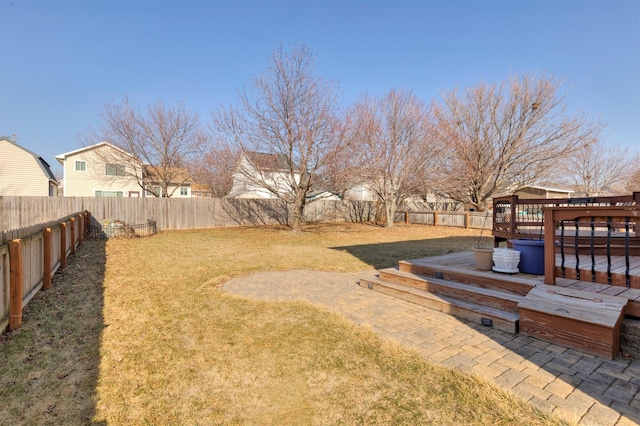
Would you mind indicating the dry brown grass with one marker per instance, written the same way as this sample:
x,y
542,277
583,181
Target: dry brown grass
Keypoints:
x,y
174,349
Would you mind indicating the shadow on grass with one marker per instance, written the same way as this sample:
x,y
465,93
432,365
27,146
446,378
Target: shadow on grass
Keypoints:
x,y
50,365
385,255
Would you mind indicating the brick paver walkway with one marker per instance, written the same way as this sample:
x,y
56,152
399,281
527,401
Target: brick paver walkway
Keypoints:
x,y
580,388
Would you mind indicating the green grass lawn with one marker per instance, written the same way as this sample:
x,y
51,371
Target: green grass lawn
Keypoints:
x,y
139,332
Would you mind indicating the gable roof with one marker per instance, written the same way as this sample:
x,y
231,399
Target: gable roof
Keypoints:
x,y
547,188
46,169
63,156
265,161
180,174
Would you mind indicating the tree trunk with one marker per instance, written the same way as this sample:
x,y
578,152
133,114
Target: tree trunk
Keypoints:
x,y
390,212
298,211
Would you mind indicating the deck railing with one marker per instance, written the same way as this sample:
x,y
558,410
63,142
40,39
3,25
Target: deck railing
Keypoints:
x,y
515,217
587,232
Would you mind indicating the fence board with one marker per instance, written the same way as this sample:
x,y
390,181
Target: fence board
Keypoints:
x,y
32,265
55,249
4,286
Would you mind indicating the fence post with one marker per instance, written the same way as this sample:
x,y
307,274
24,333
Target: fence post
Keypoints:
x,y
15,284
466,220
435,218
46,279
63,245
80,231
73,234
87,222
406,216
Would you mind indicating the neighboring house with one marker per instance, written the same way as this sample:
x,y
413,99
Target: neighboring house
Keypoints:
x,y
104,170
257,171
360,192
199,190
533,191
179,185
23,172
322,195
100,170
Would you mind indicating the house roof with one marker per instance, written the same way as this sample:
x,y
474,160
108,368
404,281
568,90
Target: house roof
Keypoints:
x,y
62,157
547,188
200,187
267,161
178,174
46,168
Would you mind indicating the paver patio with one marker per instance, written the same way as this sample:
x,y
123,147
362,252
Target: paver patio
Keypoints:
x,y
578,387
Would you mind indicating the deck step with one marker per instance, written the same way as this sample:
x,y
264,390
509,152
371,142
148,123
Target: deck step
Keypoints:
x,y
577,319
502,320
485,279
497,299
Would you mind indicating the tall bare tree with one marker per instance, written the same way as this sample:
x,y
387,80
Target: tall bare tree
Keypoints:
x,y
500,137
290,114
214,169
633,182
162,142
598,168
391,147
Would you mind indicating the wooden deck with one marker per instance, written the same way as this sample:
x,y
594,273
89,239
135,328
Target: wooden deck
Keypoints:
x,y
464,261
575,313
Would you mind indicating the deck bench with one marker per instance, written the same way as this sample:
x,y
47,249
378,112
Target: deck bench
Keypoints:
x,y
578,319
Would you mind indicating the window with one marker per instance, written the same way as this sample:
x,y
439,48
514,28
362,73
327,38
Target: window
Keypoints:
x,y
154,191
184,191
81,166
106,194
114,170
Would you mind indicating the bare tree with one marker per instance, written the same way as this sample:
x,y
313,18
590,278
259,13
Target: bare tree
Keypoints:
x,y
633,182
597,169
502,137
391,147
290,115
214,170
162,141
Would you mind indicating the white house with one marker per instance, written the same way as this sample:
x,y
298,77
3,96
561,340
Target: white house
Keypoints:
x,y
104,170
100,170
533,191
261,175
23,172
360,192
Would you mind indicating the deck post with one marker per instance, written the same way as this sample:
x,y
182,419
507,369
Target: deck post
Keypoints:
x,y
549,247
406,216
46,279
435,218
15,284
466,220
636,198
514,216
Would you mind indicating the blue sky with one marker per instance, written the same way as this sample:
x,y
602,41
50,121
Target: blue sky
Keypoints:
x,y
61,61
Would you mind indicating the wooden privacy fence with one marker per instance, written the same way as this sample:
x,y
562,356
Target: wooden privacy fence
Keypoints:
x,y
469,220
28,259
182,213
177,213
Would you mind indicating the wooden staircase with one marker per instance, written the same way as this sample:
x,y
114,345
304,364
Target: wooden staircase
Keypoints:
x,y
499,308
512,303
